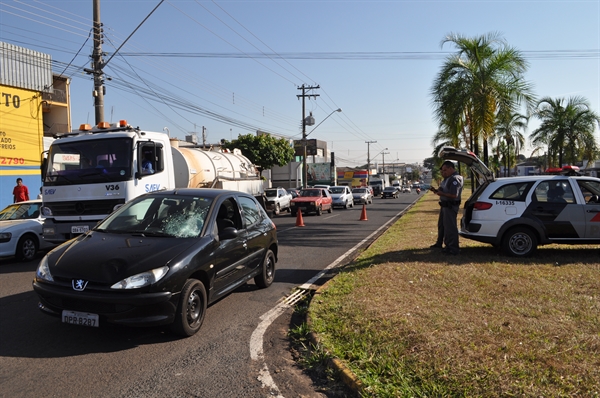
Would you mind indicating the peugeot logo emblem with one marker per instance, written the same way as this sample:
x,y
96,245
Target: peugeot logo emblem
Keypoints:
x,y
79,284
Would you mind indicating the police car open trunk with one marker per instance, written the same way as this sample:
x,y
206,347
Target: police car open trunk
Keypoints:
x,y
483,175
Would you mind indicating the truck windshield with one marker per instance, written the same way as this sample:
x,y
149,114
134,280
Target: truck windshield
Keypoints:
x,y
89,161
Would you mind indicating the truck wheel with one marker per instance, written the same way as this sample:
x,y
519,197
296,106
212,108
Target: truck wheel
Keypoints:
x,y
26,248
277,210
519,242
319,211
267,274
347,206
191,308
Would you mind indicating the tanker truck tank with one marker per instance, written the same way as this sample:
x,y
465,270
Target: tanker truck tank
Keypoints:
x,y
198,168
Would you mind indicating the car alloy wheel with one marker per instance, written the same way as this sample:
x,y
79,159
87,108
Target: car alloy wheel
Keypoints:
x,y
27,248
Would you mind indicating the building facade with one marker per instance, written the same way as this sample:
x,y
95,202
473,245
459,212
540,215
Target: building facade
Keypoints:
x,y
34,104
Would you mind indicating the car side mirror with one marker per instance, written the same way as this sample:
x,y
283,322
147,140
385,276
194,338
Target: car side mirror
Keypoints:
x,y
228,233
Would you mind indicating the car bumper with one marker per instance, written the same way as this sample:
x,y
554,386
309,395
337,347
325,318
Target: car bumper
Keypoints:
x,y
9,248
59,232
144,309
304,207
339,203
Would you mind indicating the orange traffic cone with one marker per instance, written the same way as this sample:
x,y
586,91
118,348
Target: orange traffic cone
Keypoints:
x,y
299,220
363,215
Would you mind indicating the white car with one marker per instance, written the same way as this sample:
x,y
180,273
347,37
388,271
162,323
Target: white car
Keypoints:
x,y
278,200
21,230
520,213
362,195
341,197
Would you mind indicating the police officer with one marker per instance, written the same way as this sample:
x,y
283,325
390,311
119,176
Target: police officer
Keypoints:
x,y
449,193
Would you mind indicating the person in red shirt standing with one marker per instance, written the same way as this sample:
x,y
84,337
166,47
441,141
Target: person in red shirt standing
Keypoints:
x,y
20,192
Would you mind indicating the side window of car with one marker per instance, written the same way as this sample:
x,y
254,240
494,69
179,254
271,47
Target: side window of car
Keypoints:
x,y
250,210
554,191
516,192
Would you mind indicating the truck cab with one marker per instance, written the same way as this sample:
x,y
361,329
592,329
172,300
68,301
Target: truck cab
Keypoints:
x,y
89,173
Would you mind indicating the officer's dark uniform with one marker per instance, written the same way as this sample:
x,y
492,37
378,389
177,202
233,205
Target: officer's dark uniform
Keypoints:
x,y
447,228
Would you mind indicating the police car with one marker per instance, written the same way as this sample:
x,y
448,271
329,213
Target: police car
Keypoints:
x,y
520,213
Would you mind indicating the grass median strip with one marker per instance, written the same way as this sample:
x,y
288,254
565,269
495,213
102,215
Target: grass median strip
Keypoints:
x,y
410,321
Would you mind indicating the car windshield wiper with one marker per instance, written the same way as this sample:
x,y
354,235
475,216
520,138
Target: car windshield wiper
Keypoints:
x,y
148,233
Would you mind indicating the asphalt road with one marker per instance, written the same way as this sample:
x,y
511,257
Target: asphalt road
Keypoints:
x,y
39,356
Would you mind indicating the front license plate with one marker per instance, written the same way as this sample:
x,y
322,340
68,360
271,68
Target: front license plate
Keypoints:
x,y
79,229
80,318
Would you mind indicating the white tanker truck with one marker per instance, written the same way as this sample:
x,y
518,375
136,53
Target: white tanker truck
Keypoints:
x,y
88,173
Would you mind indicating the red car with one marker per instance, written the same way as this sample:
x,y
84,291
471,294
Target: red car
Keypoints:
x,y
312,200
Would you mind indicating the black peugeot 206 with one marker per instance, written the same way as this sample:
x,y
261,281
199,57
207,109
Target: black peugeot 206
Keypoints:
x,y
160,259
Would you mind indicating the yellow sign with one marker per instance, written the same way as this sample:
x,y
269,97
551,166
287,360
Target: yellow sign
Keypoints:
x,y
348,175
21,131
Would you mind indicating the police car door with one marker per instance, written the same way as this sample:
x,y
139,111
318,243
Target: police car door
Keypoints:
x,y
554,205
590,191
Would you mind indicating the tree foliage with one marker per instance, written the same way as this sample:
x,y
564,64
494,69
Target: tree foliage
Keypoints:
x,y
483,79
567,129
264,151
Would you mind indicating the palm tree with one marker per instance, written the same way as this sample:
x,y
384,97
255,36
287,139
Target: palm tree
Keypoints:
x,y
509,128
567,129
483,79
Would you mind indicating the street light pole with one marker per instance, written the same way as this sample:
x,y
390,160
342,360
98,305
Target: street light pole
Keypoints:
x,y
383,153
304,135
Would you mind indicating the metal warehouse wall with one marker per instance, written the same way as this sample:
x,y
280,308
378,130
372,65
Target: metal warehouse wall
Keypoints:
x,y
24,68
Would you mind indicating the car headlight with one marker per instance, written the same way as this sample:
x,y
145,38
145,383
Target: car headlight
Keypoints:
x,y
43,271
5,237
46,211
142,279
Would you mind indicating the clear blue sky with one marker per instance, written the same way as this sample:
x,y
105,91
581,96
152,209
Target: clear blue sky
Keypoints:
x,y
387,56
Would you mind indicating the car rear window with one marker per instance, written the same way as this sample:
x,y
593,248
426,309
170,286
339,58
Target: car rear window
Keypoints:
x,y
515,191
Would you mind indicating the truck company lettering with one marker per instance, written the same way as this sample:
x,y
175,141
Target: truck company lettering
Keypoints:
x,y
152,187
11,99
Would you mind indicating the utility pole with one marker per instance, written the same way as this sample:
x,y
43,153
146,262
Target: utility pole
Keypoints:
x,y
303,96
369,158
97,65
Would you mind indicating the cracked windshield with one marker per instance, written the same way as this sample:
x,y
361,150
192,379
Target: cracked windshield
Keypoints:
x,y
172,216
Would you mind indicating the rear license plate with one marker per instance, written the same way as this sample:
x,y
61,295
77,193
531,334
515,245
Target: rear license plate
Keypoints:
x,y
79,229
80,318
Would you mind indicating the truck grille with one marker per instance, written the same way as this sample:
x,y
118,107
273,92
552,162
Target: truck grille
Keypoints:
x,y
84,207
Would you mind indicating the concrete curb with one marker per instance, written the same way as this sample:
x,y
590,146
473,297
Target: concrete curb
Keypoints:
x,y
347,376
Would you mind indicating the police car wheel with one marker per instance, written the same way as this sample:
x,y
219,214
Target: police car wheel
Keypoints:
x,y
520,242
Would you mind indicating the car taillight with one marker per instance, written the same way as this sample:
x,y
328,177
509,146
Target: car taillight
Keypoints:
x,y
482,206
